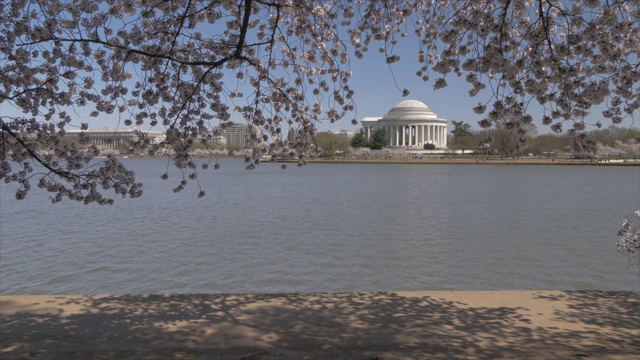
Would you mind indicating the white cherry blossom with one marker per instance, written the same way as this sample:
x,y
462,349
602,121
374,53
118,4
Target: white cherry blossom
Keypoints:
x,y
189,65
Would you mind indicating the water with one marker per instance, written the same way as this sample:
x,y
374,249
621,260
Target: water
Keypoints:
x,y
329,228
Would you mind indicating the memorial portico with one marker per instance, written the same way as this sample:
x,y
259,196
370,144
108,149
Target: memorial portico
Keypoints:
x,y
409,124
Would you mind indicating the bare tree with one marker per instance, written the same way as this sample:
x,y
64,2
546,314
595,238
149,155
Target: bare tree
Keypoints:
x,y
510,136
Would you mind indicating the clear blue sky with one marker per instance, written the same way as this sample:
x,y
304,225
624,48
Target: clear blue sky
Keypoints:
x,y
376,93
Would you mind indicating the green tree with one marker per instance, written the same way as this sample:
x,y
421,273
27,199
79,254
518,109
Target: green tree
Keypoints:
x,y
463,138
379,139
359,141
460,129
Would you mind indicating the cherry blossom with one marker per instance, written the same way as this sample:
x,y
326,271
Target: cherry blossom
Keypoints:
x,y
188,66
630,241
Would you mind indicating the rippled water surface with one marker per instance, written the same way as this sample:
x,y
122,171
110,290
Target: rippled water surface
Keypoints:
x,y
329,227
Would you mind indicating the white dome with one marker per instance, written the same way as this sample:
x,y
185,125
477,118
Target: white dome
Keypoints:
x,y
411,104
410,110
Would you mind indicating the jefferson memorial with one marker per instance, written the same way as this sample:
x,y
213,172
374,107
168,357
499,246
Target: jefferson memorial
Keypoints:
x,y
409,124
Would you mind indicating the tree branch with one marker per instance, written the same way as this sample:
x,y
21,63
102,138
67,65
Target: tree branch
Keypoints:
x,y
545,24
243,29
64,174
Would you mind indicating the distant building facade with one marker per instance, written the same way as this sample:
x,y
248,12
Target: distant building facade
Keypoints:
x,y
409,124
231,135
113,137
235,135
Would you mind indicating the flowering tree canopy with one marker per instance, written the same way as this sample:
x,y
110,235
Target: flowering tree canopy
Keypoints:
x,y
189,65
630,241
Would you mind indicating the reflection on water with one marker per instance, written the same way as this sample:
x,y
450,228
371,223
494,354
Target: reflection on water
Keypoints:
x,y
329,227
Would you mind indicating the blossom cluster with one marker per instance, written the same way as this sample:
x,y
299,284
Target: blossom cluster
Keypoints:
x,y
630,241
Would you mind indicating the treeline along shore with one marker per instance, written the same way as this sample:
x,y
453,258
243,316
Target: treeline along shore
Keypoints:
x,y
613,161
445,159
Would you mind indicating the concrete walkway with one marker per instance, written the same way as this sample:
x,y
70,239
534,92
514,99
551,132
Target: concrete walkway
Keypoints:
x,y
403,325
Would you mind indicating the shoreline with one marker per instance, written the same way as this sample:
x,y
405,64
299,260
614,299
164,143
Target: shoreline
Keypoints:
x,y
364,325
463,161
433,159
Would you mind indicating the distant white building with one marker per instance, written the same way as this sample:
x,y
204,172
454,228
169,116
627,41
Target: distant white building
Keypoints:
x,y
343,134
114,137
409,124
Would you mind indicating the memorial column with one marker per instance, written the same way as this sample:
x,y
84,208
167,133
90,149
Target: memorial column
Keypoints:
x,y
444,136
414,134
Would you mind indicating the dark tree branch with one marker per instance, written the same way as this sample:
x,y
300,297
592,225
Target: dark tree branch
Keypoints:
x,y
545,24
63,174
243,28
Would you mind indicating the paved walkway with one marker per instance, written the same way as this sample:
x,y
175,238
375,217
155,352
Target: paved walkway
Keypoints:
x,y
403,325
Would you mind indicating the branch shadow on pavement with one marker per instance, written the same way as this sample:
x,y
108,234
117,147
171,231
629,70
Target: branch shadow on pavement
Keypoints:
x,y
338,325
